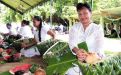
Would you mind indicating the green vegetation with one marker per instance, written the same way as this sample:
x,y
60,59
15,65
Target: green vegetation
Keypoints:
x,y
5,73
43,46
59,59
83,45
111,66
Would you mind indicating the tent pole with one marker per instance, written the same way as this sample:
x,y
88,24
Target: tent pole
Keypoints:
x,y
51,6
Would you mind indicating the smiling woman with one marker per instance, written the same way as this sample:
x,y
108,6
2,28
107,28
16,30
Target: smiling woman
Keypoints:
x,y
86,31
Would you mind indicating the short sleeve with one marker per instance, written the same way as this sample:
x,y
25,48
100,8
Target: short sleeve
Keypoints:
x,y
46,28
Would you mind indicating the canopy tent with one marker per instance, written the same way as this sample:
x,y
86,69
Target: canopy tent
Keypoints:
x,y
22,6
113,13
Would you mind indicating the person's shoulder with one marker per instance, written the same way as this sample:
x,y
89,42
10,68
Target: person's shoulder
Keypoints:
x,y
76,25
45,26
27,27
97,26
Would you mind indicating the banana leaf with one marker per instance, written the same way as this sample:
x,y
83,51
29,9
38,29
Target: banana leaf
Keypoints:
x,y
59,59
43,46
83,45
110,66
5,73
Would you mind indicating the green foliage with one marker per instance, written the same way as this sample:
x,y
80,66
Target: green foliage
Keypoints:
x,y
5,73
111,66
63,8
103,4
33,68
83,45
59,59
43,46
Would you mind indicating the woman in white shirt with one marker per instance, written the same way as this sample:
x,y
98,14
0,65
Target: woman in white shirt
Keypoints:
x,y
86,31
11,29
42,32
40,35
25,30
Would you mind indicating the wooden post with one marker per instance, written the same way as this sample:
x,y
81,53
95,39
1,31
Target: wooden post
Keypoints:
x,y
102,21
51,6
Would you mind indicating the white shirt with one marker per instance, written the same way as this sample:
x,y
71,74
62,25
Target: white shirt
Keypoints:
x,y
93,36
12,31
44,35
61,27
26,32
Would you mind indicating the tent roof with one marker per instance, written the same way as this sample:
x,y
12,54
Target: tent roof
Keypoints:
x,y
22,6
111,12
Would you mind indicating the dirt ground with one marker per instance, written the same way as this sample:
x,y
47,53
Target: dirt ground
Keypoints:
x,y
33,60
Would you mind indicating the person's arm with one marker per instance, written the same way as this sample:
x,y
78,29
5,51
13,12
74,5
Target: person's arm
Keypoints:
x,y
99,42
34,42
73,41
51,33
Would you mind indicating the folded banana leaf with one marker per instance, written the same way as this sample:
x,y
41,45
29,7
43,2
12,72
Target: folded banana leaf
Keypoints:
x,y
83,45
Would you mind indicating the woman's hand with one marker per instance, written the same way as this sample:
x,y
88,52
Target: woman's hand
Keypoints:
x,y
23,45
92,58
81,55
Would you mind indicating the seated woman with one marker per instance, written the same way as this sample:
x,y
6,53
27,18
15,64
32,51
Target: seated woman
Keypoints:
x,y
25,30
114,33
11,30
41,34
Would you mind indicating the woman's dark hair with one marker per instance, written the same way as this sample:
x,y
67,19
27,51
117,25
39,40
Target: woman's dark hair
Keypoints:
x,y
40,26
8,24
80,6
24,21
27,22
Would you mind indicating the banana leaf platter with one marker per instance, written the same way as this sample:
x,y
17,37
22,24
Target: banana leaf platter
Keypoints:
x,y
58,58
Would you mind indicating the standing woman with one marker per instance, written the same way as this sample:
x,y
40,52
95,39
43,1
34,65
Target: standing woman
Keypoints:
x,y
40,35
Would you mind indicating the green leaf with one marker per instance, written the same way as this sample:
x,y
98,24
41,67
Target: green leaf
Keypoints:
x,y
83,45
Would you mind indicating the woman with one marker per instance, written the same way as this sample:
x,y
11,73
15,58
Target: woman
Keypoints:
x,y
25,30
11,30
86,31
41,34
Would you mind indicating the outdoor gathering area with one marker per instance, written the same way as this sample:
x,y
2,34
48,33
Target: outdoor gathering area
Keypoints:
x,y
60,37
